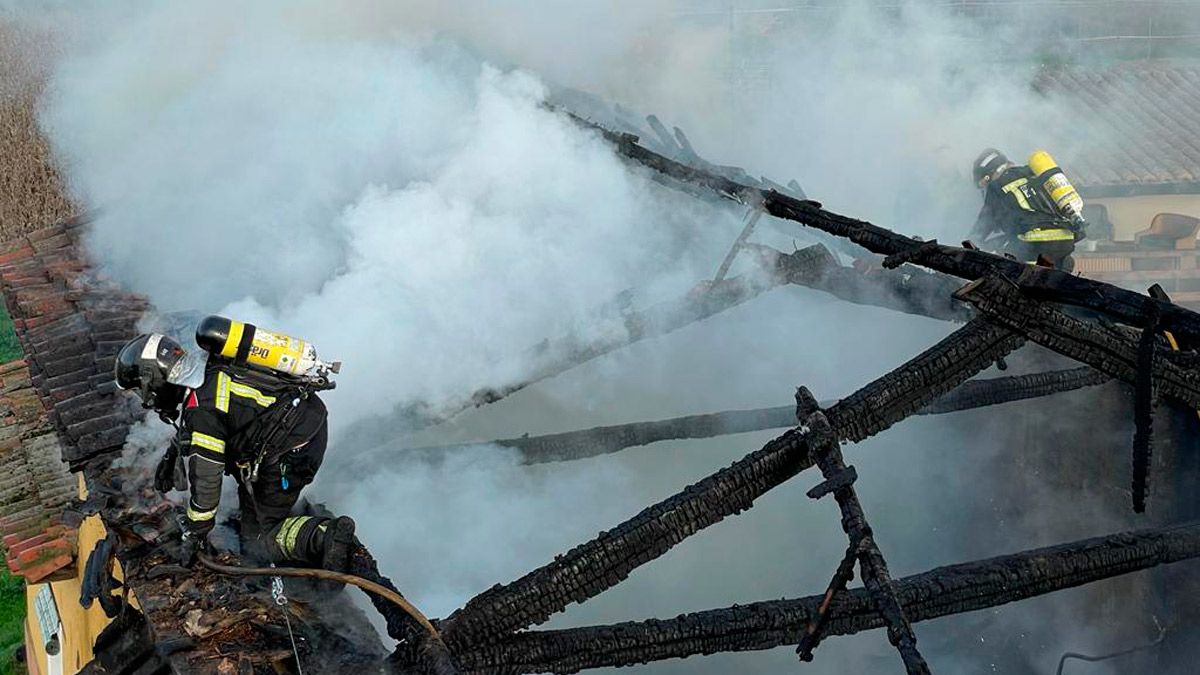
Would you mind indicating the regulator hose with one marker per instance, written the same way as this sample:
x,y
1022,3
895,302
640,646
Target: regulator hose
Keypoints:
x,y
329,575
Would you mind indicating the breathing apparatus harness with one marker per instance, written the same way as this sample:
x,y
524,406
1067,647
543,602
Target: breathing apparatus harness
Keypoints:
x,y
266,432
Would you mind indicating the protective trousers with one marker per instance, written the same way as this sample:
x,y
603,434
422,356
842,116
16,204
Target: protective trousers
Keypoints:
x,y
268,528
1057,252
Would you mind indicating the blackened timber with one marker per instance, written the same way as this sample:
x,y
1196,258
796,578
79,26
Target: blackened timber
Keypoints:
x,y
417,649
1143,417
995,391
944,591
573,445
702,302
912,290
1106,348
1037,282
904,391
590,568
871,563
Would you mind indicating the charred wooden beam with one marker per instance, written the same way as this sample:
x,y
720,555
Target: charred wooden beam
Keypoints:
x,y
1146,360
908,389
572,445
871,563
995,391
1109,349
1036,282
591,568
1143,417
557,357
912,291
915,292
417,652
944,591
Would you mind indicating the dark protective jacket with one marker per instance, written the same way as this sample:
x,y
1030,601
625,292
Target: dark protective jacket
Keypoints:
x,y
225,423
1013,204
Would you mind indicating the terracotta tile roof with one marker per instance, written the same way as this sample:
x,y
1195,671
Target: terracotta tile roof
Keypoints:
x,y
71,325
56,405
1136,123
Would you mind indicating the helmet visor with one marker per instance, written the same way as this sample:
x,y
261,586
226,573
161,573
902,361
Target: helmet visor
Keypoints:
x,y
189,371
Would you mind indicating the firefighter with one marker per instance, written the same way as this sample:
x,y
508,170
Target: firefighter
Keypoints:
x,y
1018,206
269,434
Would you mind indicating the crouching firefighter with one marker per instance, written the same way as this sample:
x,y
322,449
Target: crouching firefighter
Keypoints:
x,y
1034,208
245,405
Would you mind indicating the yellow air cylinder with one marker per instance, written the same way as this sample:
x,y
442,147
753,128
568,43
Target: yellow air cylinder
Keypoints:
x,y
1055,184
249,344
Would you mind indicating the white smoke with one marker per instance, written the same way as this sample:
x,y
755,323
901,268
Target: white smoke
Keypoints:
x,y
378,177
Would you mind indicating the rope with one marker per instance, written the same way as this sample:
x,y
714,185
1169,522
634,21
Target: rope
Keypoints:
x,y
282,601
365,584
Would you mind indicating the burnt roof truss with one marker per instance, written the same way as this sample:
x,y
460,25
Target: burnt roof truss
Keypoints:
x,y
1116,334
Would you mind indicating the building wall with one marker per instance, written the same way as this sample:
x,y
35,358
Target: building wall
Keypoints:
x,y
1130,215
78,627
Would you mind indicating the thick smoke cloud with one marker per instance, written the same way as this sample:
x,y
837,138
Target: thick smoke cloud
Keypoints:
x,y
383,179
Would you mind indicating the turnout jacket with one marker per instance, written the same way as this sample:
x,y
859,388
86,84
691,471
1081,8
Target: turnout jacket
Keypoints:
x,y
227,418
1013,204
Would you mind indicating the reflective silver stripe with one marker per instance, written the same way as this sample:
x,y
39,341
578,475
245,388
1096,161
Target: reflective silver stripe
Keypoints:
x,y
150,349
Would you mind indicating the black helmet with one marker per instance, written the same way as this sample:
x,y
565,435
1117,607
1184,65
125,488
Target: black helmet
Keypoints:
x,y
144,363
987,165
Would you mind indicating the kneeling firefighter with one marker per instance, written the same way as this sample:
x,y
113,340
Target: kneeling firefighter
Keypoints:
x,y
244,405
1035,208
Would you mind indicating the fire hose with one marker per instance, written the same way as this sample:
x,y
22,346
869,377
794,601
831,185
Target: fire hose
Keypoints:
x,y
329,575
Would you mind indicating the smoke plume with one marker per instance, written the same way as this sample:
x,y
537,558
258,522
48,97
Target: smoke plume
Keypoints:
x,y
384,179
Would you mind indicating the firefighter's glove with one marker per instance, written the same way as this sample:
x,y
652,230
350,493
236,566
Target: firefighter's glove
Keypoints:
x,y
170,475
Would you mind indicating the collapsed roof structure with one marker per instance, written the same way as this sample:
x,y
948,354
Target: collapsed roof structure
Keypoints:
x,y
70,323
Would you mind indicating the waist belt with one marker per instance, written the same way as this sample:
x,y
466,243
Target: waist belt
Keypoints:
x,y
1047,234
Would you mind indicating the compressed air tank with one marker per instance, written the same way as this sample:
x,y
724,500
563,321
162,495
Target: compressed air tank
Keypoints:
x,y
1055,184
247,344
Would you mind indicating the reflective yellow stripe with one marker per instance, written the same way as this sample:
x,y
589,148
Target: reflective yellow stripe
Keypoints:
x,y
246,391
1014,189
286,538
210,442
200,516
226,386
1047,234
236,328
223,392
